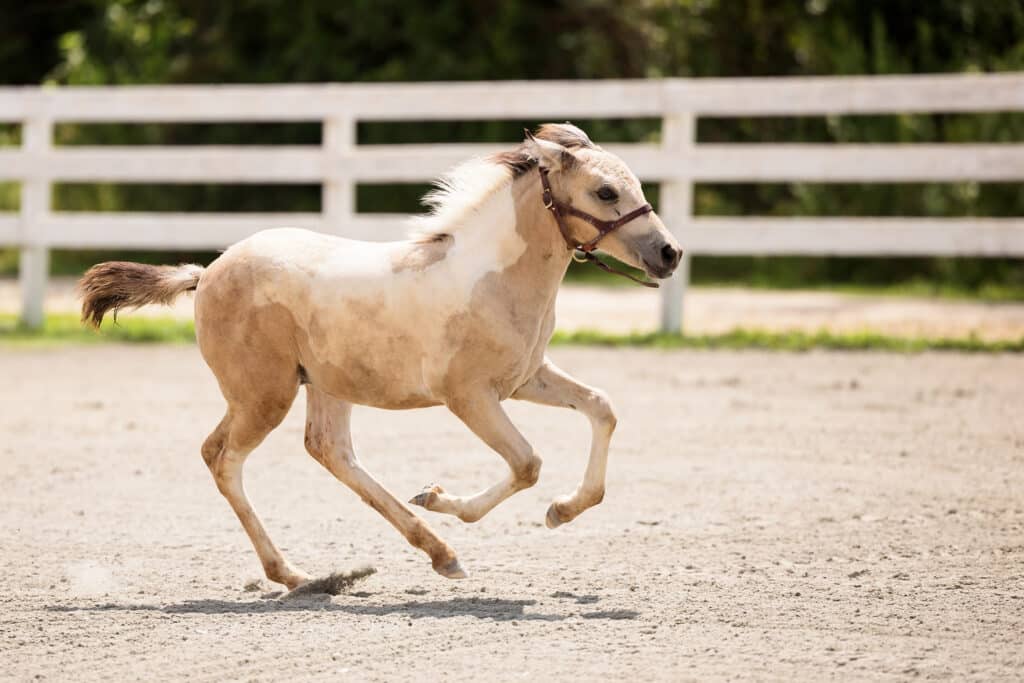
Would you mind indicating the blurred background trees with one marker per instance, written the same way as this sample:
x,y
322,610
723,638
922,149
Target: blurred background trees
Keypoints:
x,y
84,42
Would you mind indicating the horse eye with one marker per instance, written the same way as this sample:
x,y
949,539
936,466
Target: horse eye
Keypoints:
x,y
607,194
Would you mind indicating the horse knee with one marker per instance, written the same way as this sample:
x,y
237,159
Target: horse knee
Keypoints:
x,y
601,410
528,472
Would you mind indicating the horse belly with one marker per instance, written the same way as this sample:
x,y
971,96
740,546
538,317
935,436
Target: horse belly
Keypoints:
x,y
370,380
365,352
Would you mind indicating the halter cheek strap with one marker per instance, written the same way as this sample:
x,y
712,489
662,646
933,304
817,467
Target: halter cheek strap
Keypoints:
x,y
604,228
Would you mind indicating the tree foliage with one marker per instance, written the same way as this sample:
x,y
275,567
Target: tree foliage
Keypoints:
x,y
81,42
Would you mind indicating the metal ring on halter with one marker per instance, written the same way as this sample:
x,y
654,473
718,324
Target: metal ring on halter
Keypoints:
x,y
579,259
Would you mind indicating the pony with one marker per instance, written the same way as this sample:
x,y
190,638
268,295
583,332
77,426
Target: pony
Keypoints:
x,y
460,315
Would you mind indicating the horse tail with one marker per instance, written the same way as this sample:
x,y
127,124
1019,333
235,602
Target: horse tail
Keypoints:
x,y
121,284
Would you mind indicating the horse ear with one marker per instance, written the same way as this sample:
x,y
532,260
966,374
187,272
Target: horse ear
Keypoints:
x,y
549,155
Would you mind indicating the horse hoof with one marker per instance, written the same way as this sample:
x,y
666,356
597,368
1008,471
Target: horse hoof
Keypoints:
x,y
553,519
452,570
292,579
427,497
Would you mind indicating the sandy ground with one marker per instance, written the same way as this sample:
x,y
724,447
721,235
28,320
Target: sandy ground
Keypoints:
x,y
768,516
711,311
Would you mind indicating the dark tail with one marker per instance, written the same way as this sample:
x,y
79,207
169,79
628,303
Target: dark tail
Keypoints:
x,y
121,284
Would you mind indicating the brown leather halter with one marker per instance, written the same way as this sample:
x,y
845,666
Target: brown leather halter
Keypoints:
x,y
604,228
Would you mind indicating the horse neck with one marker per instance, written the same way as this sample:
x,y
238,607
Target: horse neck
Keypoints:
x,y
542,266
511,241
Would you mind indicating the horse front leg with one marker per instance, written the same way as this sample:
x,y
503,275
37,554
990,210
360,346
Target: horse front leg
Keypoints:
x,y
481,411
552,386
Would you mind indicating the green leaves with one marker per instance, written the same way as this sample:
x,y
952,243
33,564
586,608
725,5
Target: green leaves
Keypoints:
x,y
269,41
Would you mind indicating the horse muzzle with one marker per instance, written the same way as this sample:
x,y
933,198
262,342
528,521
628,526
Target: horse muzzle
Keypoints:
x,y
662,260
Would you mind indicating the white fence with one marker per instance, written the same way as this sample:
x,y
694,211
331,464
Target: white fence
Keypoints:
x,y
339,163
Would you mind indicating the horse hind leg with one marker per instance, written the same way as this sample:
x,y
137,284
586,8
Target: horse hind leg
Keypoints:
x,y
329,441
225,451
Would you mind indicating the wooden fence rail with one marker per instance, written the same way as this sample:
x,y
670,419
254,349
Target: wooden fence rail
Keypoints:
x,y
339,163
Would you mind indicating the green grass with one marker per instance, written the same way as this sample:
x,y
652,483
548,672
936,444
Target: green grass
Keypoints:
x,y
63,329
788,341
991,292
987,293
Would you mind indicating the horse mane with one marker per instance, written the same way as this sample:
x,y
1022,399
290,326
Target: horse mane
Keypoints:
x,y
462,190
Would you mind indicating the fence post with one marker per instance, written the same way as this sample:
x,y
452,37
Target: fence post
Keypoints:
x,y
678,133
34,258
338,193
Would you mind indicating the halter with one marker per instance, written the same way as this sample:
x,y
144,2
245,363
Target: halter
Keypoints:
x,y
604,228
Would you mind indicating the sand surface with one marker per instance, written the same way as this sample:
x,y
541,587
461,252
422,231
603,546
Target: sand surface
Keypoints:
x,y
768,516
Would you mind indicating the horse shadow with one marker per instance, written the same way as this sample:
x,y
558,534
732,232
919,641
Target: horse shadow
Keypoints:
x,y
495,609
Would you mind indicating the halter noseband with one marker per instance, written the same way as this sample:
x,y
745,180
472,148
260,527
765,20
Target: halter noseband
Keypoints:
x,y
604,228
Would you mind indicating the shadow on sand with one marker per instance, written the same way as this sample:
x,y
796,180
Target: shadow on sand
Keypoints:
x,y
496,609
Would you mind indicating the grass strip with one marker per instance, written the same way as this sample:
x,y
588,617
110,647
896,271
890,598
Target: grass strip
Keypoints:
x,y
788,341
63,329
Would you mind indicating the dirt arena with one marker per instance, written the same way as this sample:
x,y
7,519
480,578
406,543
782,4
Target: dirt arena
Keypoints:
x,y
768,516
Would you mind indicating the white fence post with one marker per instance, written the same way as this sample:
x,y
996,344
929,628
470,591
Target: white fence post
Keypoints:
x,y
338,194
678,134
34,259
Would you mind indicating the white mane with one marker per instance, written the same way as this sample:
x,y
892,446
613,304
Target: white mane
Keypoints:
x,y
458,195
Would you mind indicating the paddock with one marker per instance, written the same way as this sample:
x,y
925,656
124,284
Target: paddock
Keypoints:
x,y
768,515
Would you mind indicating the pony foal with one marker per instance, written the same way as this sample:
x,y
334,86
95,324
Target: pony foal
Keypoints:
x,y
458,315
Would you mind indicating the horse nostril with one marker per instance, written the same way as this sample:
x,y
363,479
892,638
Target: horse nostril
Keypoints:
x,y
670,255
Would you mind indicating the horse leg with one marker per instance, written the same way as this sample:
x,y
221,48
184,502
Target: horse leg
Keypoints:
x,y
552,386
225,451
329,441
483,414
